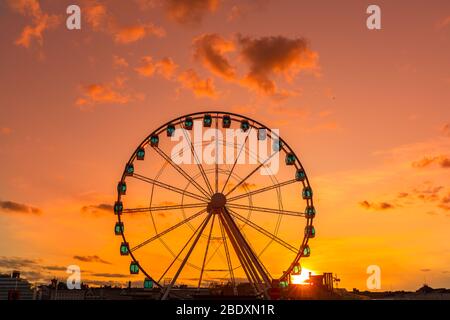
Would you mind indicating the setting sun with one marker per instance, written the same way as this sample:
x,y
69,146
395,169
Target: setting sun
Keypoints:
x,y
302,277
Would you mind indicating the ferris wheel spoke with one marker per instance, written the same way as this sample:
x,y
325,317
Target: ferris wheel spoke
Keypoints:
x,y
217,155
267,210
183,263
197,161
159,235
237,158
264,231
206,252
181,171
169,187
250,174
181,251
251,193
164,208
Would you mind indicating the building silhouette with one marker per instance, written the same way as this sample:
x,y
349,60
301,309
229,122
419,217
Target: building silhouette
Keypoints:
x,y
12,287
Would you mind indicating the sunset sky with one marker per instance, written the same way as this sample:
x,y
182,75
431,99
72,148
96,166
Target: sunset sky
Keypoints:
x,y
366,111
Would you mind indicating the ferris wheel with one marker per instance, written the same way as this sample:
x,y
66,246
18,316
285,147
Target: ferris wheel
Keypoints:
x,y
214,198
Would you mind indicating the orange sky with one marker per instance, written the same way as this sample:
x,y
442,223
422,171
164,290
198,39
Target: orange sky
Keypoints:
x,y
366,111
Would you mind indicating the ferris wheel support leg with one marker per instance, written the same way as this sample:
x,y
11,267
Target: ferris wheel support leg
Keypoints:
x,y
227,252
249,272
206,253
242,246
251,253
166,292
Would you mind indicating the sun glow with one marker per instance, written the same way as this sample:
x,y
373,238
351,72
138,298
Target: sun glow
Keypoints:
x,y
302,277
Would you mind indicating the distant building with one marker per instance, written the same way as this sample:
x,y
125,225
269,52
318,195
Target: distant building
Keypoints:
x,y
58,291
12,287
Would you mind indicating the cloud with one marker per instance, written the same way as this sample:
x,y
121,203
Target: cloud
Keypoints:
x,y
95,259
95,209
100,20
55,268
425,270
442,160
100,93
200,87
96,15
110,275
428,193
376,206
209,49
190,12
13,263
147,68
128,34
165,67
10,206
445,203
266,59
31,269
41,21
275,55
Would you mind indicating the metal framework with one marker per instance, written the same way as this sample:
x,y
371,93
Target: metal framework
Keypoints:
x,y
216,206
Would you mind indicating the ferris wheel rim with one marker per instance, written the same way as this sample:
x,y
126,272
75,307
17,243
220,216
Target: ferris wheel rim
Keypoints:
x,y
217,114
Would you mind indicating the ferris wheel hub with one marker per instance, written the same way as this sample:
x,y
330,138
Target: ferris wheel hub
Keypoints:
x,y
218,201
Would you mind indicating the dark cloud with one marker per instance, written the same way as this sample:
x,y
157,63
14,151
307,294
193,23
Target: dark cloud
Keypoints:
x,y
189,79
425,270
445,203
30,269
11,206
16,263
428,193
376,206
275,55
98,208
190,12
110,275
94,258
55,268
209,49
442,160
